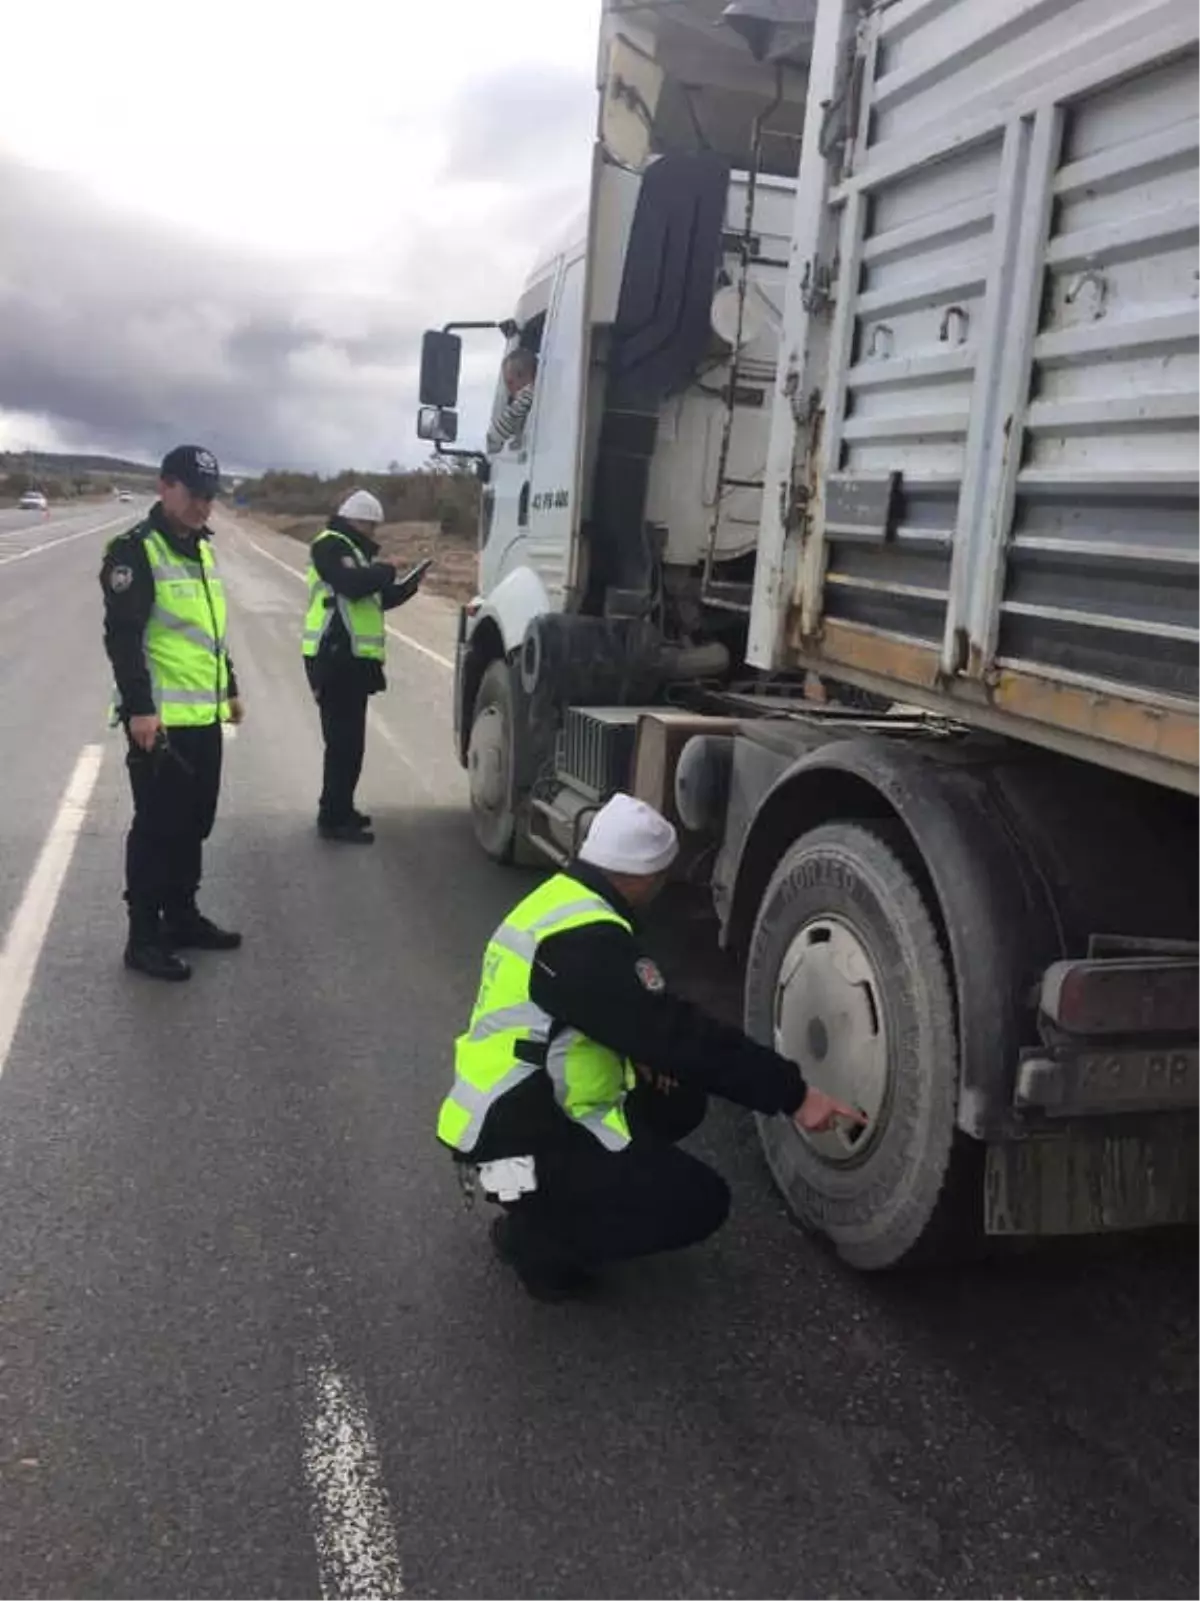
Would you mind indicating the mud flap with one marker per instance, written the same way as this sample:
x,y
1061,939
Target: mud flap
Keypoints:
x,y
1093,1181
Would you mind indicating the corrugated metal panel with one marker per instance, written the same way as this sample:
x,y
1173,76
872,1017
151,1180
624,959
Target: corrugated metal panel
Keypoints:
x,y
1014,332
913,343
1102,557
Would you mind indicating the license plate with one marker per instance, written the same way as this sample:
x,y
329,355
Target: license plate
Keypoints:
x,y
1133,1079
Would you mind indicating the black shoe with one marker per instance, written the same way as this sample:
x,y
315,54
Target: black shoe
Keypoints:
x,y
541,1283
346,833
156,961
360,819
195,932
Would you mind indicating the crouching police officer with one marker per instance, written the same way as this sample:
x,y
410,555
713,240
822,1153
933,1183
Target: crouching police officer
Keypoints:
x,y
578,1072
164,632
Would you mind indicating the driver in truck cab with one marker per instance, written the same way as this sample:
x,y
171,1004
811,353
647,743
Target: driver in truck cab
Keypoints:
x,y
579,1073
519,372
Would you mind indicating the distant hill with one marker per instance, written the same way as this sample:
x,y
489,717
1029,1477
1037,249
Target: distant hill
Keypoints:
x,y
69,466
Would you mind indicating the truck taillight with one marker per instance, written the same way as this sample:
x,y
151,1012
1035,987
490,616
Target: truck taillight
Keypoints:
x,y
1122,996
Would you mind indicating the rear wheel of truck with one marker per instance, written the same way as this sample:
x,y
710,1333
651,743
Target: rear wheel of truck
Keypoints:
x,y
490,764
847,977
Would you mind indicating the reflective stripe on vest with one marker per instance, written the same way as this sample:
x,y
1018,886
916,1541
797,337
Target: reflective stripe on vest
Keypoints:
x,y
589,1080
362,618
184,638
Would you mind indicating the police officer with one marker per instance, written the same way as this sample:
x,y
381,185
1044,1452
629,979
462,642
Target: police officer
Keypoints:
x,y
164,632
576,1056
350,586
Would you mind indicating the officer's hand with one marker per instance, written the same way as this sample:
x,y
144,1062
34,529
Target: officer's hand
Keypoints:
x,y
818,1112
143,731
237,712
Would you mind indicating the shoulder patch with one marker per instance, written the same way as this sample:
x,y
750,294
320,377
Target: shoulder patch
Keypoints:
x,y
649,976
119,579
349,561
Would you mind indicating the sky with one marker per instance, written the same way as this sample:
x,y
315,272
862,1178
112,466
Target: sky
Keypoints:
x,y
226,226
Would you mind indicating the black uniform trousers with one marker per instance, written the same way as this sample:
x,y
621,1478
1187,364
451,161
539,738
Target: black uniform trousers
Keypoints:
x,y
341,696
175,789
343,705
593,1205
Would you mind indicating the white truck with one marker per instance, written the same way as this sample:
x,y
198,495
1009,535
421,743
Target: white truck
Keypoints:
x,y
854,524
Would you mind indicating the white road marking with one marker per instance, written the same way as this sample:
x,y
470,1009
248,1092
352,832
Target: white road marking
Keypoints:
x,y
36,550
381,728
27,932
357,1554
405,639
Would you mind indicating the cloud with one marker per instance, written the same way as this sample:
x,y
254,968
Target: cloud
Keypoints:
x,y
519,123
127,333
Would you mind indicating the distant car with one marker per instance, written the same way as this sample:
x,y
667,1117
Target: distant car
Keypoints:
x,y
33,500
125,494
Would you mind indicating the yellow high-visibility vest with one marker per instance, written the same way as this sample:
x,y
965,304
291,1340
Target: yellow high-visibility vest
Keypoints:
x,y
509,1037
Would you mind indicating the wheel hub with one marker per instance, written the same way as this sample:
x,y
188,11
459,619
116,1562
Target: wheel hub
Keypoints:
x,y
487,761
829,1019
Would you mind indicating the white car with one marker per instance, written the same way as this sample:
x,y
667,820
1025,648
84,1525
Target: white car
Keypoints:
x,y
33,500
125,494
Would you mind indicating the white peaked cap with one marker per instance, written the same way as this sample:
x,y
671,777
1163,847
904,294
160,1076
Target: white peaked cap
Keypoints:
x,y
361,506
627,836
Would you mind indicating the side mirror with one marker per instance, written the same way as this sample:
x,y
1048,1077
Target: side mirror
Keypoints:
x,y
441,358
437,425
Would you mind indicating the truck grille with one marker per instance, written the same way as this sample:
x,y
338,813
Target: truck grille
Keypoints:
x,y
595,748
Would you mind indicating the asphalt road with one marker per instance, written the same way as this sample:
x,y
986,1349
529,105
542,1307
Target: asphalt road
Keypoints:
x,y
252,1345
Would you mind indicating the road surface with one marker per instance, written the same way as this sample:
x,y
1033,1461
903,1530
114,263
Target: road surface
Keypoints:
x,y
252,1345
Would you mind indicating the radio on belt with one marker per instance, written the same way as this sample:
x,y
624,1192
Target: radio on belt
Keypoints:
x,y
509,1179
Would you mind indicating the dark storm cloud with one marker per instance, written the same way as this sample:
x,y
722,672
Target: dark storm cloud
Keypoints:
x,y
129,336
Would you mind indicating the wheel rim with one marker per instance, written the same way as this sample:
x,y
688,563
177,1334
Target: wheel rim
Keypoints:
x,y
829,1018
487,761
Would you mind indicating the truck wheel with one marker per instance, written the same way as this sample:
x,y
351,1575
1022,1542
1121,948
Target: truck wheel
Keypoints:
x,y
490,764
847,977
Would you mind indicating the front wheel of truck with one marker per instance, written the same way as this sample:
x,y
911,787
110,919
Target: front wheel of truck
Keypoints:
x,y
490,764
847,977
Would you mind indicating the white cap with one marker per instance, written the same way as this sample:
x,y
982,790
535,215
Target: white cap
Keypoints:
x,y
361,506
627,836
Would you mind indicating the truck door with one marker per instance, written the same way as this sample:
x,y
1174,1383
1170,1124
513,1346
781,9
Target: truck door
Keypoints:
x,y
556,442
506,507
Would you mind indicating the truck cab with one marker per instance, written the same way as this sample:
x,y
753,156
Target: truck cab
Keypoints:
x,y
618,531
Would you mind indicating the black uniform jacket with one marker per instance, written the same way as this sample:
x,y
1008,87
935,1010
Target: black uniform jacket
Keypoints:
x,y
600,980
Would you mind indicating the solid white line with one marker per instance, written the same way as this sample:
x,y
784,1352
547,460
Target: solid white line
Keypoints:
x,y
405,639
377,723
36,550
27,932
357,1554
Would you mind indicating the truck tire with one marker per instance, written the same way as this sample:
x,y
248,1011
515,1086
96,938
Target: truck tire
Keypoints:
x,y
490,764
847,976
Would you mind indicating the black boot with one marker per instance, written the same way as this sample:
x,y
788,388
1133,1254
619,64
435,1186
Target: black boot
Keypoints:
x,y
346,833
360,819
542,1279
185,928
146,952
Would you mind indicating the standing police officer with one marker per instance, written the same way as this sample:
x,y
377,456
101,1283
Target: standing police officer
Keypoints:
x,y
350,586
164,632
